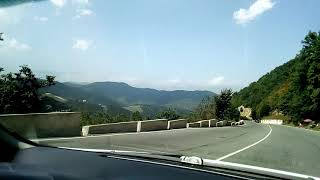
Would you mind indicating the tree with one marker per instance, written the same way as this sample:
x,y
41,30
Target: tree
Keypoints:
x,y
206,109
233,114
169,114
264,110
219,106
121,118
223,104
254,114
85,119
19,91
136,116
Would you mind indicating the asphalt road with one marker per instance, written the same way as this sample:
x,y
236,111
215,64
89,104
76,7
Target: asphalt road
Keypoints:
x,y
272,146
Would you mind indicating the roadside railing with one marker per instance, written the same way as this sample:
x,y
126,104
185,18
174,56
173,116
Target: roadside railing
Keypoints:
x,y
152,125
67,124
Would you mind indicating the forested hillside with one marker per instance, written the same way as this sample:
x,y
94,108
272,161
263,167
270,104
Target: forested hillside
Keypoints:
x,y
117,101
292,88
127,95
151,111
122,95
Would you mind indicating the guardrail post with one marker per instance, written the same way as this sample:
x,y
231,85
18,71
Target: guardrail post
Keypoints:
x,y
139,126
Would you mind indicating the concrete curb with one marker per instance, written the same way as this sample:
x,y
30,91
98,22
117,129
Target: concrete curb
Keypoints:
x,y
193,125
213,122
120,127
204,123
43,125
219,124
152,125
177,124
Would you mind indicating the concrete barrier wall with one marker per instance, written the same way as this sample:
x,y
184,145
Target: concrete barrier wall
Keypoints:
x,y
204,123
177,124
152,125
272,121
110,128
219,124
193,125
225,122
43,125
213,122
229,123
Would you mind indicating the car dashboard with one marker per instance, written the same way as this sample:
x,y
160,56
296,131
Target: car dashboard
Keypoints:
x,y
57,163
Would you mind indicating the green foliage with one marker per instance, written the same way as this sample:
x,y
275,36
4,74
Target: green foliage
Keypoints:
x,y
293,88
120,118
223,104
263,110
151,111
127,99
233,114
254,114
19,91
169,114
136,116
90,118
205,110
48,104
218,106
126,95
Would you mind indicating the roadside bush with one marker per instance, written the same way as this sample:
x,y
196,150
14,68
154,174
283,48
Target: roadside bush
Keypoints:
x,y
169,114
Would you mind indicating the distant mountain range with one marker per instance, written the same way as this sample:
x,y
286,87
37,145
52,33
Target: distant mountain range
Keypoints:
x,y
124,98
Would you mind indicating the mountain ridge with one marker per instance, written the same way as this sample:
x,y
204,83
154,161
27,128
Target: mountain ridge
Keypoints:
x,y
122,96
129,95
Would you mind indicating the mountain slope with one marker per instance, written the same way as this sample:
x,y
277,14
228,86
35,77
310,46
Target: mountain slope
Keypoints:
x,y
78,94
124,99
128,95
78,99
292,88
151,111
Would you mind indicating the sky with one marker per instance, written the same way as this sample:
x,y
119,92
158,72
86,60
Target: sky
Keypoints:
x,y
162,44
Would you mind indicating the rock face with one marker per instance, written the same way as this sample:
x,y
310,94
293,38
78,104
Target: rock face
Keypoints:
x,y
245,112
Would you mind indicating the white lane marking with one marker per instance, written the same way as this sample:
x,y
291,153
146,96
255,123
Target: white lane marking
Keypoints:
x,y
247,147
209,162
139,149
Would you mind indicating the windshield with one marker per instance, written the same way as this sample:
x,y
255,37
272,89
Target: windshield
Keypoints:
x,y
234,81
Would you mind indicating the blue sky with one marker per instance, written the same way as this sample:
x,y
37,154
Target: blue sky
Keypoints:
x,y
165,44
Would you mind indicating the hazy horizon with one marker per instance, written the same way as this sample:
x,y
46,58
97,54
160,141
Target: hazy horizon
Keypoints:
x,y
159,89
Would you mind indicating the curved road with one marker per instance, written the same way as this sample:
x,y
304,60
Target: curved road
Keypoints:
x,y
272,146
